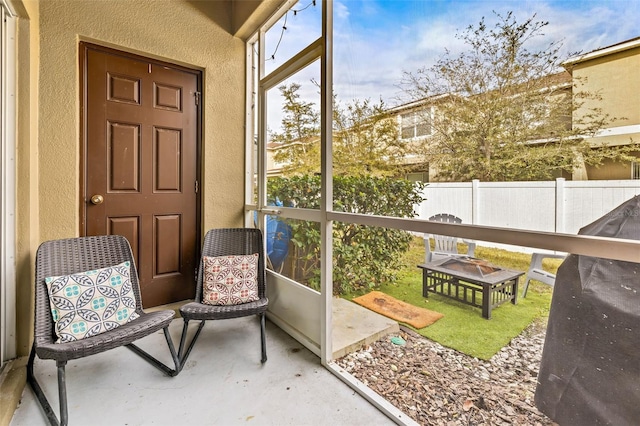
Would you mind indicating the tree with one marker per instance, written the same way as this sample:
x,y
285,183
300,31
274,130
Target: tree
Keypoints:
x,y
367,152
365,138
504,112
299,141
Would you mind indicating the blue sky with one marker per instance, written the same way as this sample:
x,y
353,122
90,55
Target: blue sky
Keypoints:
x,y
375,41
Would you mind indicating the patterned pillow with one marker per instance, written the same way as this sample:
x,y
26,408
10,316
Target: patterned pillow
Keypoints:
x,y
89,303
230,280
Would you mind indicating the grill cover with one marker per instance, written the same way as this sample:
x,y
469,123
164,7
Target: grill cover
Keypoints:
x,y
590,367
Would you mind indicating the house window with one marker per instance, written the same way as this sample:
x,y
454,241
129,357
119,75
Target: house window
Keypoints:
x,y
415,124
635,170
417,177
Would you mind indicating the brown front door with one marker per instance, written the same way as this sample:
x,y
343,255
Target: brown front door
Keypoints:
x,y
140,168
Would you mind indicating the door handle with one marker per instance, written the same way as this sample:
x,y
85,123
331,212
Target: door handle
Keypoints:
x,y
97,199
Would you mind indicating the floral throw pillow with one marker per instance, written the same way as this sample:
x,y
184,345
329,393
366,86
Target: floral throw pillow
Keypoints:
x,y
230,280
89,303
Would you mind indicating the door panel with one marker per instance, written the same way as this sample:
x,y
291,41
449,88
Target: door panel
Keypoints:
x,y
141,153
167,165
167,248
124,162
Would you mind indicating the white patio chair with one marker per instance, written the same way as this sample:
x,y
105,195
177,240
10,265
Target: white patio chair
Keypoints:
x,y
536,272
445,246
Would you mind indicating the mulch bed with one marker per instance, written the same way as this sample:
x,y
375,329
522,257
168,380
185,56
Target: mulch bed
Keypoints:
x,y
435,385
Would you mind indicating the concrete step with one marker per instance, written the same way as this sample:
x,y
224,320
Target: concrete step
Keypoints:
x,y
355,326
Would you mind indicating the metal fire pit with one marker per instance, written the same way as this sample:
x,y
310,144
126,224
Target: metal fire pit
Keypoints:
x,y
471,281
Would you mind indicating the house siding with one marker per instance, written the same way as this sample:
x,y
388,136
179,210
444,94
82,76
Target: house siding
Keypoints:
x,y
615,77
610,170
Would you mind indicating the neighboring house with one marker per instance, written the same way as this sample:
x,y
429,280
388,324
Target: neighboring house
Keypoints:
x,y
613,72
415,123
274,168
278,168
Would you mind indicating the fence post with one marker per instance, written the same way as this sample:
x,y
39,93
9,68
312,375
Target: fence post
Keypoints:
x,y
475,202
559,207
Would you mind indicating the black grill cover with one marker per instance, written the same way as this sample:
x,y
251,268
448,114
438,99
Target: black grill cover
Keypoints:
x,y
590,368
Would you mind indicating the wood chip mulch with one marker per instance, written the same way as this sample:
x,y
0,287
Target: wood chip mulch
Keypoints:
x,y
435,385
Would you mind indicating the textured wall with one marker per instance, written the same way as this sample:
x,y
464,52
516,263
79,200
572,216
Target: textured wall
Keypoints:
x,y
616,77
27,220
48,111
173,31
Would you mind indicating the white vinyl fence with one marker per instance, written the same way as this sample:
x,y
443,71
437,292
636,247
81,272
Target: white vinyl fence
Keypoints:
x,y
556,206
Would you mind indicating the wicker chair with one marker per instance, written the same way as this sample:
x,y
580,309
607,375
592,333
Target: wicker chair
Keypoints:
x,y
68,256
223,242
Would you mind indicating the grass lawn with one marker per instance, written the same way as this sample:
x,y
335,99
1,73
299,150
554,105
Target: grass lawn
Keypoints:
x,y
463,328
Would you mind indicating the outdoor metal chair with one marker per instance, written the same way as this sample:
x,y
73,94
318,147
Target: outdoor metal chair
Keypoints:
x,y
536,272
72,256
445,245
226,242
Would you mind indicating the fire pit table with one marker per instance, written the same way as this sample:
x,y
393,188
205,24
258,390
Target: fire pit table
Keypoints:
x,y
472,281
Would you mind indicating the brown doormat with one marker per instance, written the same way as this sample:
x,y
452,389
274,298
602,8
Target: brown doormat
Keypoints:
x,y
397,309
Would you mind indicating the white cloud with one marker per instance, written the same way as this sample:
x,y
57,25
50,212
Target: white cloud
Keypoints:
x,y
340,10
374,42
369,59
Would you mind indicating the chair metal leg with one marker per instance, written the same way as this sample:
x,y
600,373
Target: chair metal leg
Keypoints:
x,y
62,383
42,399
263,338
62,393
153,361
185,325
183,359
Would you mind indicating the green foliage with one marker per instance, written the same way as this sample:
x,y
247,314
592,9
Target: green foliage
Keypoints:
x,y
300,139
364,256
365,138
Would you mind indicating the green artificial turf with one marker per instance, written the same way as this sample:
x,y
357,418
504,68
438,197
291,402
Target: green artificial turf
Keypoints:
x,y
463,328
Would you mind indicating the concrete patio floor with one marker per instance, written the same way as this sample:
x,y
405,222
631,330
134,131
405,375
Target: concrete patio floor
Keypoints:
x,y
223,382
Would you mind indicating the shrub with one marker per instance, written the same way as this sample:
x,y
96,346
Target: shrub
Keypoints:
x,y
364,256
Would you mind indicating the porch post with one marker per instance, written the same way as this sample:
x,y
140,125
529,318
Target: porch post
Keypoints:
x,y
326,203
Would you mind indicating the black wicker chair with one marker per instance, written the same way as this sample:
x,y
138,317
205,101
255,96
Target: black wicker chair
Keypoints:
x,y
223,242
68,256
